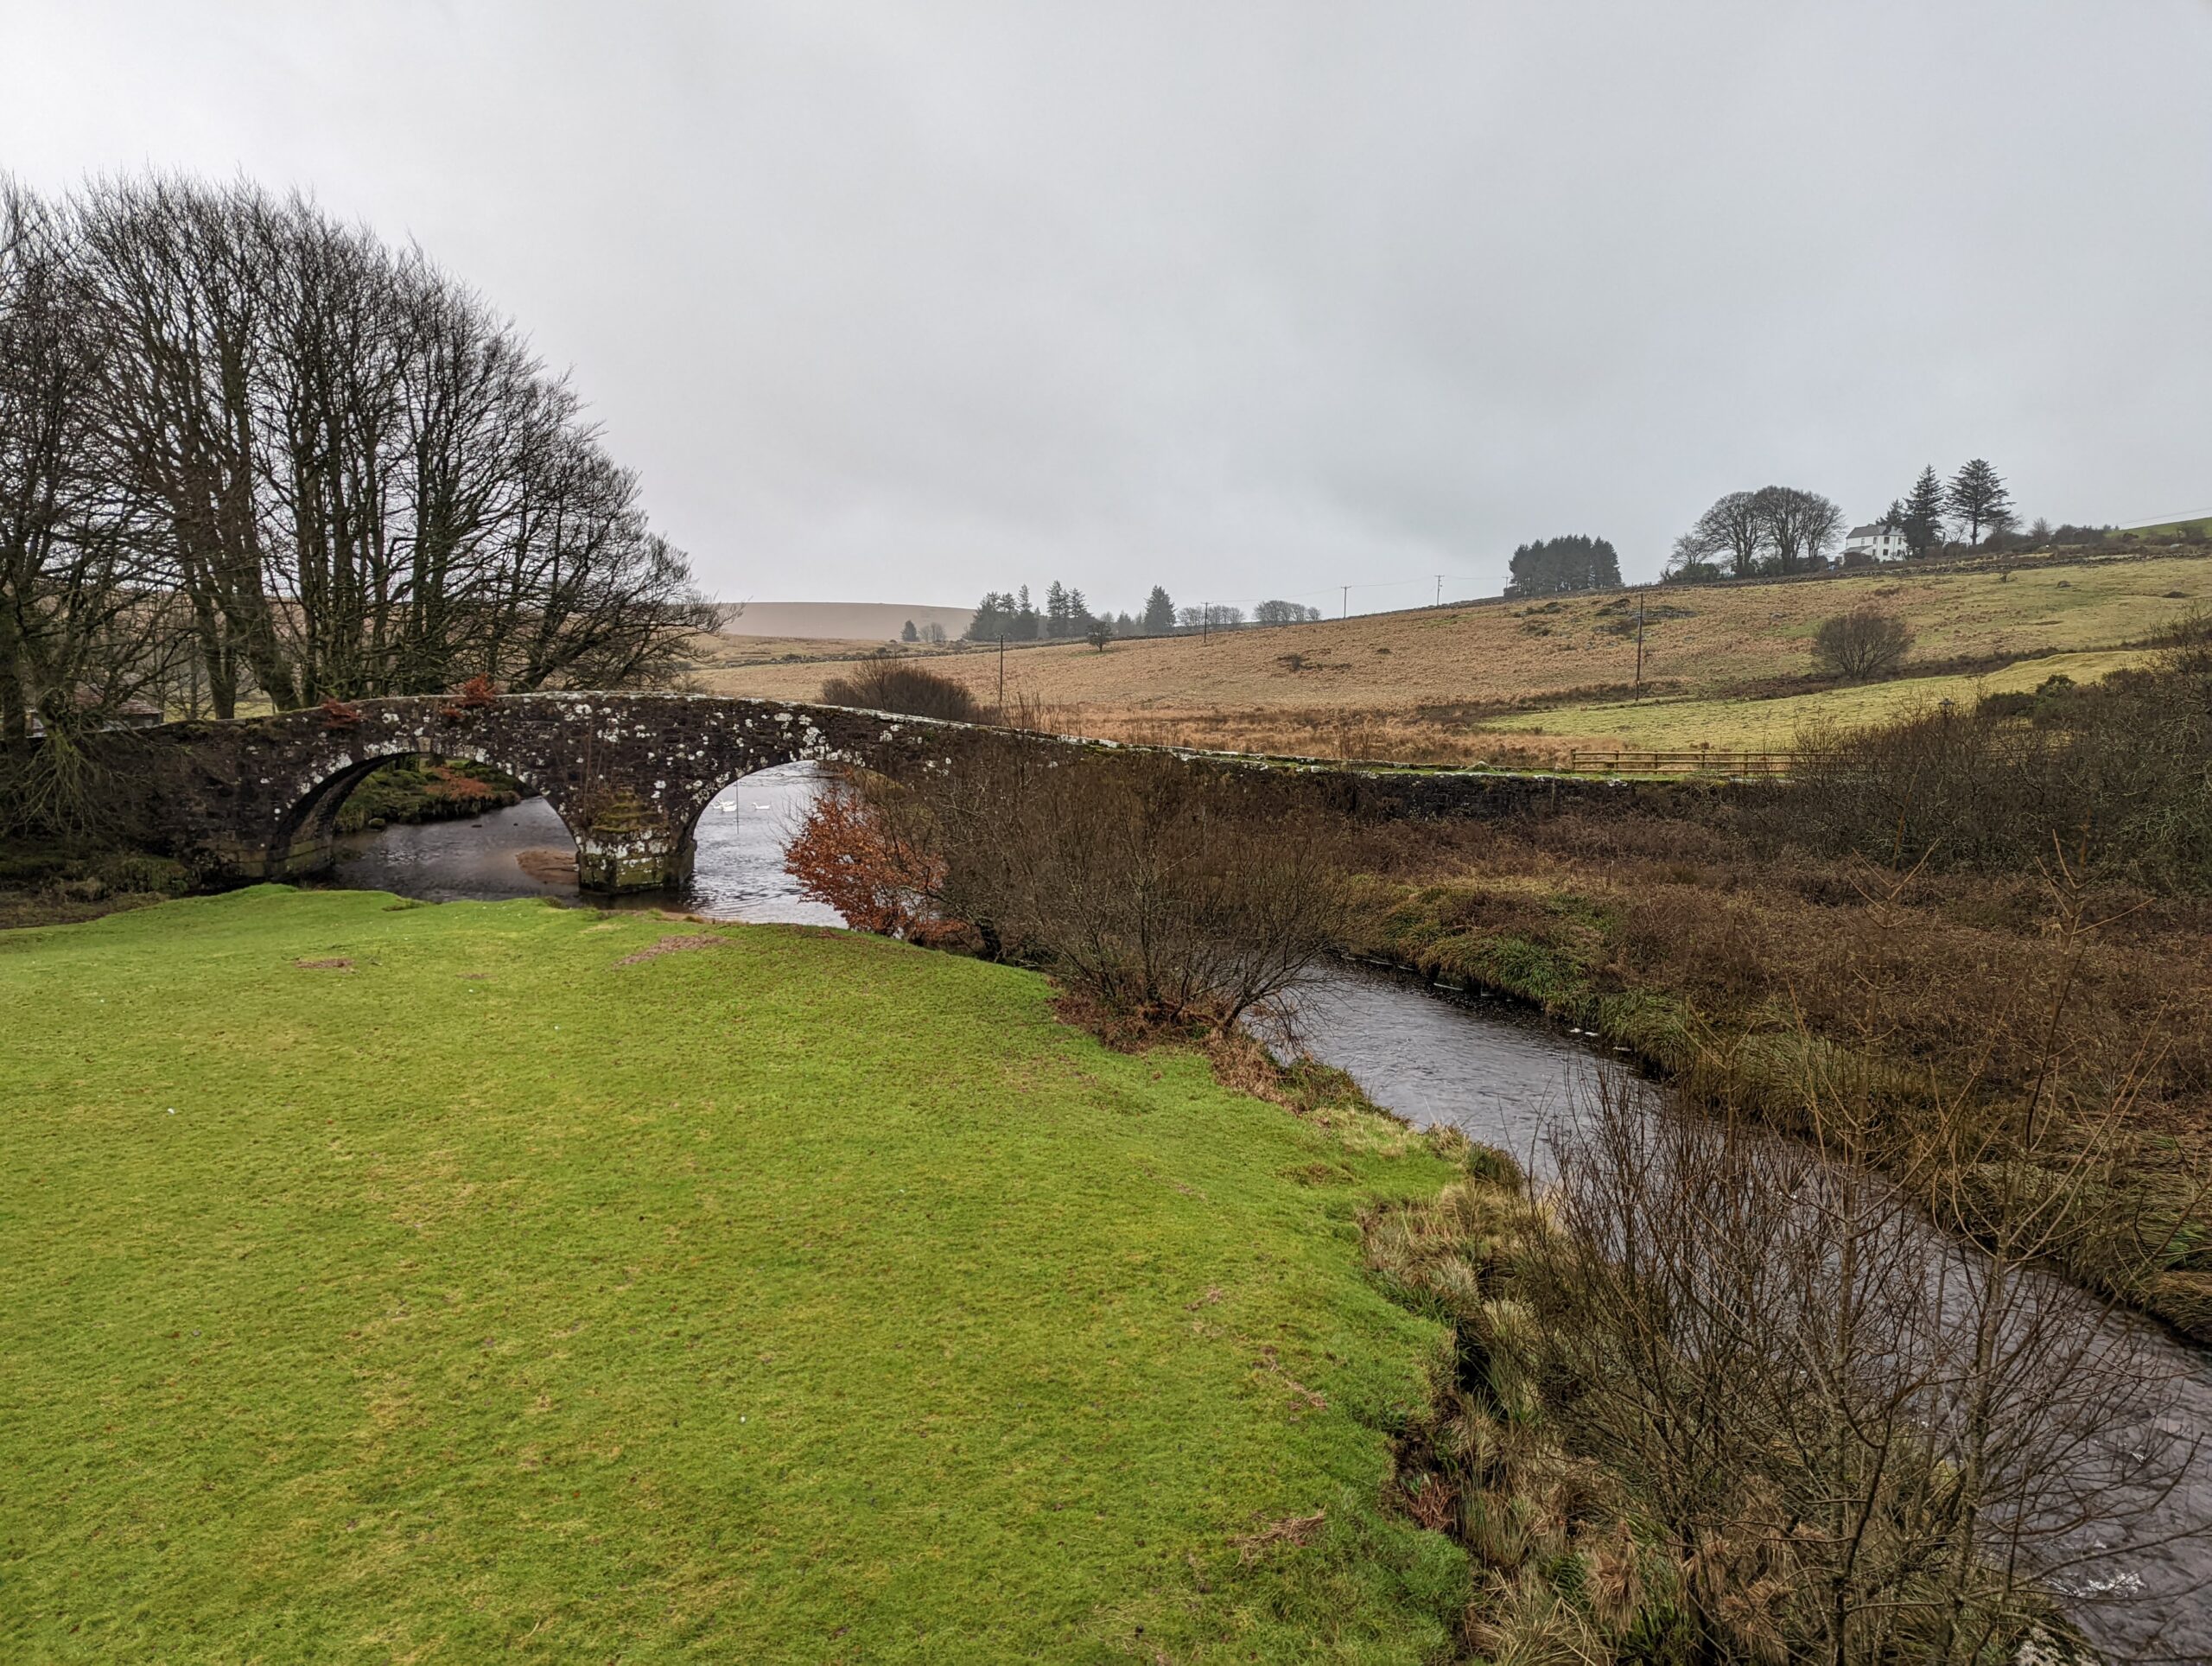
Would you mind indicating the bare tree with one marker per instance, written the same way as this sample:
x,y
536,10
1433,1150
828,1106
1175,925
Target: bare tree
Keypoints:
x,y
1864,643
1735,526
1164,893
1799,526
357,476
177,304
1863,1441
82,631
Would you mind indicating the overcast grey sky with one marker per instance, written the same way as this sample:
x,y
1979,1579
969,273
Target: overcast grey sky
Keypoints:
x,y
896,300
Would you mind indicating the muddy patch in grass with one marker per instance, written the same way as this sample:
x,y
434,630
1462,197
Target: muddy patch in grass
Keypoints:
x,y
672,945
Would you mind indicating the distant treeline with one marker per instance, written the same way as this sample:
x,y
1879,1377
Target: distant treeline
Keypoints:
x,y
1554,565
1011,615
246,449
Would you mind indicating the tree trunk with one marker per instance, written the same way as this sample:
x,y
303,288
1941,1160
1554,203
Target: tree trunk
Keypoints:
x,y
15,720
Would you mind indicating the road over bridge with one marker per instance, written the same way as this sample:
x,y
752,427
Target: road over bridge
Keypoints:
x,y
258,799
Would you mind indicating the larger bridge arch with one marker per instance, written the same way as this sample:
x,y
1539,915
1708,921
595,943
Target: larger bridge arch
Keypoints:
x,y
630,774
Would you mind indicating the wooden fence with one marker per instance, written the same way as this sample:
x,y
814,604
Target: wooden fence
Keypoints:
x,y
1696,761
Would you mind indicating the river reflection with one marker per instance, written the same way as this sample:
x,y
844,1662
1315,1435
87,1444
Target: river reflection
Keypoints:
x,y
526,851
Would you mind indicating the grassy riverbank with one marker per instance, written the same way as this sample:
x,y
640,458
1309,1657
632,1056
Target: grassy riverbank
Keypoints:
x,y
1773,984
425,1282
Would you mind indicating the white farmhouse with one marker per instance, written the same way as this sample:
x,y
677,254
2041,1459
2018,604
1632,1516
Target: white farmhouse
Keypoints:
x,y
1874,542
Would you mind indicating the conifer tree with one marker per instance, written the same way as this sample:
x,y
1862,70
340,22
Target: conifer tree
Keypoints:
x,y
1920,516
1977,496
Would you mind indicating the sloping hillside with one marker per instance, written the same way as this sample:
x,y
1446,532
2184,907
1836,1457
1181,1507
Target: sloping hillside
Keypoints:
x,y
1468,680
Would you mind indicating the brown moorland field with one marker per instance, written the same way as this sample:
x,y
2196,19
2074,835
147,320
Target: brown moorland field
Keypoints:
x,y
723,653
1731,664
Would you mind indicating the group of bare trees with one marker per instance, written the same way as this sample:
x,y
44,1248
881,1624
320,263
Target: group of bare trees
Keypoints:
x,y
1777,528
248,451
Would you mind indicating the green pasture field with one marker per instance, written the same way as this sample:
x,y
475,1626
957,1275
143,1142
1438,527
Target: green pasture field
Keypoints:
x,y
386,1282
1774,724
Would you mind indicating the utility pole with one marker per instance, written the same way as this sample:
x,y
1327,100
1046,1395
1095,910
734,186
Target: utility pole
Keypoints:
x,y
1639,645
1344,609
1206,624
1440,589
1001,676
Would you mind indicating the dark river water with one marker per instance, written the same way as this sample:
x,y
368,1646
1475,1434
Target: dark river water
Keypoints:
x,y
739,874
1504,1077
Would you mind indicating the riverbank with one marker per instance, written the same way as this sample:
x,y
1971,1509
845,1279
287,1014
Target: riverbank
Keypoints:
x,y
1768,986
413,790
499,1276
44,883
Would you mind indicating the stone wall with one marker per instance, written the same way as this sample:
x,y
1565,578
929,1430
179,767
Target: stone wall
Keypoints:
x,y
629,773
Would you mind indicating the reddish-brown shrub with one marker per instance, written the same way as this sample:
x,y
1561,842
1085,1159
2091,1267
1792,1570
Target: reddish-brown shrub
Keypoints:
x,y
849,857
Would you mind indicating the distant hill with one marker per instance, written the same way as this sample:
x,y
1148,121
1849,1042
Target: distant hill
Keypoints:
x,y
853,621
1732,664
2202,526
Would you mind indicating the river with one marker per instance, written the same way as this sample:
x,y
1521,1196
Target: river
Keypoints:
x,y
1504,1077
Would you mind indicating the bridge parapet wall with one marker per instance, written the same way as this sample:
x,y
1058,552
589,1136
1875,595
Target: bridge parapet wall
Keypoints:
x,y
630,773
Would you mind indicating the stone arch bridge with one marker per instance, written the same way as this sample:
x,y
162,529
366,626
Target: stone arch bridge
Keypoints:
x,y
630,774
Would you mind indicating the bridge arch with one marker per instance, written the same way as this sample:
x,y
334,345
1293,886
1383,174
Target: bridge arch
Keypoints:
x,y
305,838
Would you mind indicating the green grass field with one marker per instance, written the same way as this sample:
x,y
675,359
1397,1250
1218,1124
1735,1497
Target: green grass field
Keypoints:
x,y
2202,524
1774,724
801,1296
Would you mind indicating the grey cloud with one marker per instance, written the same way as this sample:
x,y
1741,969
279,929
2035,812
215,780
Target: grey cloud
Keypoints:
x,y
898,302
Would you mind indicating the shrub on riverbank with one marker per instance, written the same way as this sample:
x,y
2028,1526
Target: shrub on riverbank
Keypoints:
x,y
1163,894
2113,781
1717,1397
43,883
1748,980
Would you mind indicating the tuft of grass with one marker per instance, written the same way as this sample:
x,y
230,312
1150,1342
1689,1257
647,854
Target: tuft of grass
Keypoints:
x,y
815,1299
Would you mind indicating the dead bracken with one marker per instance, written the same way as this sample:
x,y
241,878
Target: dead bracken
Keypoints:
x,y
1291,1529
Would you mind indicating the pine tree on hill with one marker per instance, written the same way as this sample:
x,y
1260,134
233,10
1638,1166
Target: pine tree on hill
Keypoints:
x,y
1556,565
1977,496
1921,515
1159,613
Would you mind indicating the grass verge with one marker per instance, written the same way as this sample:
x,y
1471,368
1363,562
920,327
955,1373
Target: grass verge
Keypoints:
x,y
380,1279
